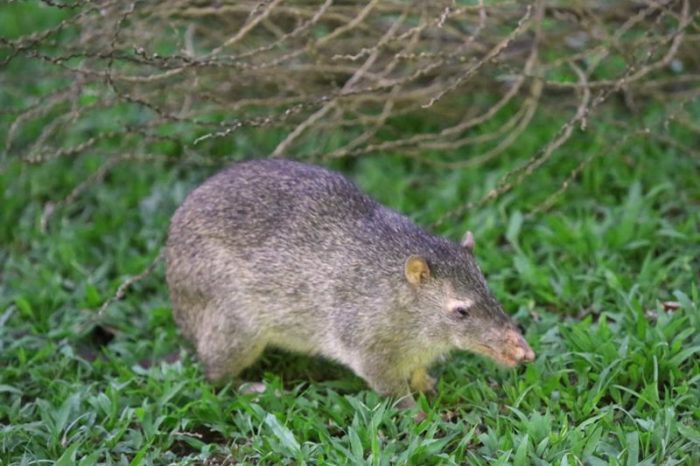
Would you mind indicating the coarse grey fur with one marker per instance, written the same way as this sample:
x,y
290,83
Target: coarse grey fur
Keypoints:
x,y
279,253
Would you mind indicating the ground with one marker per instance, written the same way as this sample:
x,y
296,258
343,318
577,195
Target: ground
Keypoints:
x,y
605,283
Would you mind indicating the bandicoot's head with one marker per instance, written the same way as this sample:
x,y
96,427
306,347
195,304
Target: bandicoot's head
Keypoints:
x,y
450,293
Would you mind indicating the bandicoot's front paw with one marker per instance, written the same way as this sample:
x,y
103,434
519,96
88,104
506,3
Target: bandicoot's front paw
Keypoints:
x,y
422,382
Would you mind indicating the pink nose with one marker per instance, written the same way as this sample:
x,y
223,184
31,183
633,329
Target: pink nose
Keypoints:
x,y
517,348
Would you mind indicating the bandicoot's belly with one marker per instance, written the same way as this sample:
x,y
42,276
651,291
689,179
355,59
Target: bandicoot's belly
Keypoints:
x,y
295,343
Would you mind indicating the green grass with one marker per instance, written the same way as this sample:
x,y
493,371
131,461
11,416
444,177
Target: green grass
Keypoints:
x,y
616,380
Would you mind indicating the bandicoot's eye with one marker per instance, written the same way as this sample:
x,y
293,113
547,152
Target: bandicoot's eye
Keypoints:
x,y
462,312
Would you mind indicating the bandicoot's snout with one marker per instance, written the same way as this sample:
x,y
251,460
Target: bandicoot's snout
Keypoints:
x,y
516,349
508,349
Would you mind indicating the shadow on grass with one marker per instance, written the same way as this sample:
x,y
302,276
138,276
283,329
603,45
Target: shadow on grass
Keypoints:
x,y
293,369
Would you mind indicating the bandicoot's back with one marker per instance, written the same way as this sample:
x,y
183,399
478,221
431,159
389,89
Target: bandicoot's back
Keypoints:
x,y
279,253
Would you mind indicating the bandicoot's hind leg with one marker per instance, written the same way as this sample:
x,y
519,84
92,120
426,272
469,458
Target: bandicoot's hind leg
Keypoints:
x,y
226,348
227,362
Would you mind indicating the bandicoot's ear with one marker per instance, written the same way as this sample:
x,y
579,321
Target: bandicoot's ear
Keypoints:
x,y
416,270
468,241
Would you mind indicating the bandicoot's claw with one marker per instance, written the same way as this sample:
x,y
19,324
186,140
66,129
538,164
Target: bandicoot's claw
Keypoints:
x,y
253,387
